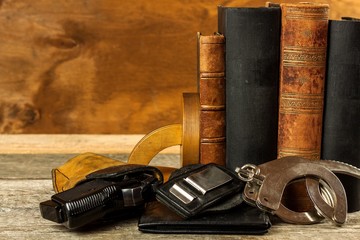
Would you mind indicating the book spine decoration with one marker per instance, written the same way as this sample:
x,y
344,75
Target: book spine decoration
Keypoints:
x,y
341,128
211,87
302,76
252,38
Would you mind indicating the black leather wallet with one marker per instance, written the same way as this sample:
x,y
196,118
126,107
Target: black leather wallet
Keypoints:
x,y
243,219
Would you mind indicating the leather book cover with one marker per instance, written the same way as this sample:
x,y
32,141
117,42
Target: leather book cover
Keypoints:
x,y
304,29
302,78
252,74
211,87
212,150
341,128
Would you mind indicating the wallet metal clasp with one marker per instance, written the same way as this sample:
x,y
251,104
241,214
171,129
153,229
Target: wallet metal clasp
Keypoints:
x,y
266,184
202,182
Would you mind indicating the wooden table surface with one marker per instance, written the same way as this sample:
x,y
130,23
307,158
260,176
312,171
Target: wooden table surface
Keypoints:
x,y
25,181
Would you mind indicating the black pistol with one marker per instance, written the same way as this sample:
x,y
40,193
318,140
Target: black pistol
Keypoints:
x,y
106,194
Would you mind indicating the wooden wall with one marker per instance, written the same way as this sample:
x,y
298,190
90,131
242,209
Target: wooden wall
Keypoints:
x,y
109,66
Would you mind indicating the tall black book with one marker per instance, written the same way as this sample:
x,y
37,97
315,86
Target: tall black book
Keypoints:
x,y
252,37
341,128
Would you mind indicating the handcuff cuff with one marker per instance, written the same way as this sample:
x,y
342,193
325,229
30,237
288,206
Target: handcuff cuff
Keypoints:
x,y
265,185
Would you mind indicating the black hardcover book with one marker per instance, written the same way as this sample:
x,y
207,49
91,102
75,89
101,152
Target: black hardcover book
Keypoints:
x,y
341,128
252,50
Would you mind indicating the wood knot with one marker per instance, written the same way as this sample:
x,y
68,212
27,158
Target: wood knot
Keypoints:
x,y
61,42
28,113
16,116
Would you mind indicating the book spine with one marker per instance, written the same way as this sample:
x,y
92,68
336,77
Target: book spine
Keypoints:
x,y
211,87
252,74
301,95
341,128
302,78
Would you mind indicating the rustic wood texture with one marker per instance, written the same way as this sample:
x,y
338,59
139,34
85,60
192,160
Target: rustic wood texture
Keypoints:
x,y
21,191
73,143
87,66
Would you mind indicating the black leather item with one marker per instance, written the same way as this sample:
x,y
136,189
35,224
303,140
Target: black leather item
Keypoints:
x,y
252,76
197,190
341,128
242,219
125,171
110,193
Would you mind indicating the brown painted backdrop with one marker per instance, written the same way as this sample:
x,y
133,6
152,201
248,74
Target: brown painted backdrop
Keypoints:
x,y
104,66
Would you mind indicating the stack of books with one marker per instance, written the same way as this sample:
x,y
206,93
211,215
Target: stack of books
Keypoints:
x,y
281,80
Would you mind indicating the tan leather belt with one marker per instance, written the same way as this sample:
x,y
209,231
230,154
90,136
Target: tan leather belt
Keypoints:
x,y
191,129
187,135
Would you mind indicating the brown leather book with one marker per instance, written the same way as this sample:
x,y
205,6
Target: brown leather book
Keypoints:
x,y
211,87
302,77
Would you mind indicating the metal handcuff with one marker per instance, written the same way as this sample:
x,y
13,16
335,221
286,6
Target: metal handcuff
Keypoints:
x,y
265,185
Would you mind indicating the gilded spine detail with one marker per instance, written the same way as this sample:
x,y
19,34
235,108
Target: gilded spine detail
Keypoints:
x,y
301,103
308,11
304,56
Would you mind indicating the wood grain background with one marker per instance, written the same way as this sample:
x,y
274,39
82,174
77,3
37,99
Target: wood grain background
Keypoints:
x,y
90,66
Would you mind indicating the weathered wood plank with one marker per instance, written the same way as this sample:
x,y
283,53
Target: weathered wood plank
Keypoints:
x,y
89,66
38,166
20,219
71,143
